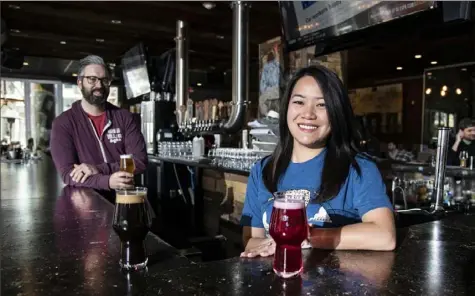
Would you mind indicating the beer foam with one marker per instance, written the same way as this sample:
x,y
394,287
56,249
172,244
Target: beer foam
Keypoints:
x,y
289,205
135,198
126,156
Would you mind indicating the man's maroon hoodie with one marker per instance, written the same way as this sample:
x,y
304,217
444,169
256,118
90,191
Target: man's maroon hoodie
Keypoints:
x,y
75,141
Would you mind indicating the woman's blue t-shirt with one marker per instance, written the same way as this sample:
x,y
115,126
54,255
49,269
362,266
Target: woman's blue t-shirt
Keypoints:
x,y
358,195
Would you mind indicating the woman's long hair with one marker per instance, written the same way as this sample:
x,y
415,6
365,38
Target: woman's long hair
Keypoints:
x,y
341,148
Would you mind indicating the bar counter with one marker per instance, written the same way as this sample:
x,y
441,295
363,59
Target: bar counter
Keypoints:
x,y
59,241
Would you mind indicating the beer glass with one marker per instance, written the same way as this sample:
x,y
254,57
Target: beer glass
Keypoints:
x,y
127,163
132,220
288,228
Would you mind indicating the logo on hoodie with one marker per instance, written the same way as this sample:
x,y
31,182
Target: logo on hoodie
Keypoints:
x,y
114,135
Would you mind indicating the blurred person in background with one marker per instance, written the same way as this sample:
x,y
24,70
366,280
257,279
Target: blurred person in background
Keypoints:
x,y
399,154
464,141
88,139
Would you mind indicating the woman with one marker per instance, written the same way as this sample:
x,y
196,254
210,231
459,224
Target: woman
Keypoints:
x,y
316,151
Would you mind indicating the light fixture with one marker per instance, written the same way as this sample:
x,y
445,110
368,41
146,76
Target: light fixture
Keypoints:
x,y
429,73
444,88
62,42
75,75
464,69
418,56
458,91
14,31
198,84
13,6
116,22
398,68
25,64
442,93
112,65
434,62
428,91
99,40
209,5
220,36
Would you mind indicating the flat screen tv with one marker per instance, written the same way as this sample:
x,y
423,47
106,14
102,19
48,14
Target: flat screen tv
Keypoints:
x,y
163,71
306,23
135,71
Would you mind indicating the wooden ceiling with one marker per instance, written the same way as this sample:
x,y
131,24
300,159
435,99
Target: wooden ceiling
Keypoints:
x,y
38,28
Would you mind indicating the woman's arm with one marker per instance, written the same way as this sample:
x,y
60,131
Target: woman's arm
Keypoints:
x,y
376,232
377,229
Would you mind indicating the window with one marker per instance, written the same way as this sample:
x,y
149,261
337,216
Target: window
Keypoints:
x,y
12,124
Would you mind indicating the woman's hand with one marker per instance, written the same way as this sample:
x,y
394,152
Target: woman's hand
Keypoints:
x,y
263,247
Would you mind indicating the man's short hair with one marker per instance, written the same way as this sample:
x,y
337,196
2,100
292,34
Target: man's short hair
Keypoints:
x,y
466,123
92,60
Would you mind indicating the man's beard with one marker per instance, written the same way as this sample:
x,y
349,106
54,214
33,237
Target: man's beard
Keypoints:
x,y
96,100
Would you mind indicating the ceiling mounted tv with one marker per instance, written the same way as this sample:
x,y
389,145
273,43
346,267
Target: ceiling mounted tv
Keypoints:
x,y
135,71
306,23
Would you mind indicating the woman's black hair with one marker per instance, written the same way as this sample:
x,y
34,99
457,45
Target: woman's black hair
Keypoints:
x,y
341,147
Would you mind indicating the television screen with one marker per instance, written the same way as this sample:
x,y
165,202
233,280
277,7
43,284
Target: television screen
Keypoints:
x,y
135,72
305,23
163,71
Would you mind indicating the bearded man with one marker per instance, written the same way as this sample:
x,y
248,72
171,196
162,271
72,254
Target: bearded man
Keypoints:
x,y
88,139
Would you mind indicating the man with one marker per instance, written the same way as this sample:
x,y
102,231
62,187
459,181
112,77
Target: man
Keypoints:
x,y
88,139
464,141
399,154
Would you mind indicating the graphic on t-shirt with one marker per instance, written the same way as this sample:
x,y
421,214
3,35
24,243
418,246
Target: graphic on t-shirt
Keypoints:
x,y
321,216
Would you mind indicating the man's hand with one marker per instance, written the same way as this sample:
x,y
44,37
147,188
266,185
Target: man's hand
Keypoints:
x,y
121,180
460,135
458,140
82,171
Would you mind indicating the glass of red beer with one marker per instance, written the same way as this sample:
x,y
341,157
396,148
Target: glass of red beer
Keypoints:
x,y
288,228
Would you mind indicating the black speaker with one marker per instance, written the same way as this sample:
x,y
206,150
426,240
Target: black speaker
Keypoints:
x,y
12,59
457,11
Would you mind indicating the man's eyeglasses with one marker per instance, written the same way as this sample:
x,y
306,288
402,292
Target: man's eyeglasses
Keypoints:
x,y
93,79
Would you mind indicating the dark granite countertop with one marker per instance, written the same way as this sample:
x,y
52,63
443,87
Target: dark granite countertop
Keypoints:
x,y
384,165
425,169
204,163
63,244
60,241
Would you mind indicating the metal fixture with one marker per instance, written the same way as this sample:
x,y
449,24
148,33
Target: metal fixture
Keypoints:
x,y
240,87
440,165
181,69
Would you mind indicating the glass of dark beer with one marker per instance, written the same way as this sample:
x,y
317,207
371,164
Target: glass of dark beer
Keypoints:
x,y
132,221
127,163
288,228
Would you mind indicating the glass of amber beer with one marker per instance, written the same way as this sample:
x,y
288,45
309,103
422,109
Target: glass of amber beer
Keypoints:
x,y
132,221
288,228
127,163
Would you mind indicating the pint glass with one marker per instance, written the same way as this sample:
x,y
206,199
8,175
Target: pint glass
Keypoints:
x,y
132,221
288,228
127,163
